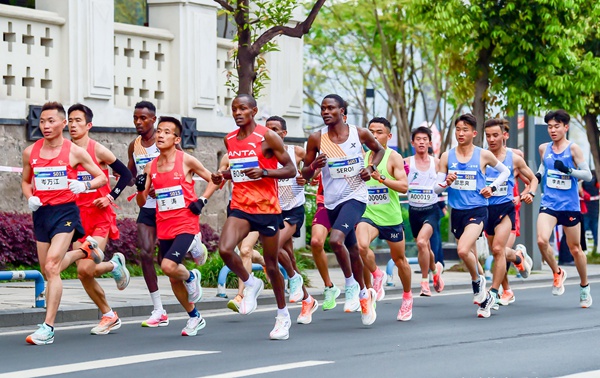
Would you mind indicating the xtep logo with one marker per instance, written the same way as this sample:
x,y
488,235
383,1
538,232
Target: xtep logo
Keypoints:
x,y
34,161
453,165
352,145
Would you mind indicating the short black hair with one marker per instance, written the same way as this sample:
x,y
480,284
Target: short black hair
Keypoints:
x,y
340,101
55,105
89,115
146,105
503,123
559,115
467,118
421,130
383,121
174,121
280,120
248,97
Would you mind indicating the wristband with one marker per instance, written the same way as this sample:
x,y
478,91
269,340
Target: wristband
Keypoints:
x,y
531,194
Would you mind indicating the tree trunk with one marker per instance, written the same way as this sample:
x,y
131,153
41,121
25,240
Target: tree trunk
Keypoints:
x,y
593,134
481,87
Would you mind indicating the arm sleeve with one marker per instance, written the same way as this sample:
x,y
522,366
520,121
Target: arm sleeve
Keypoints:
x,y
582,172
440,184
503,176
124,178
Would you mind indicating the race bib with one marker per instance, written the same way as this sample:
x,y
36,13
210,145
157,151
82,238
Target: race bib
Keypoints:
x,y
501,191
170,198
378,195
465,180
558,180
50,178
85,176
142,160
236,166
421,194
344,167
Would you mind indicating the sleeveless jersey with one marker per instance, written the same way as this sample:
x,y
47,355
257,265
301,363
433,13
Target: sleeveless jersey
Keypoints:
x,y
173,196
560,190
421,184
463,194
50,176
142,156
504,192
252,196
383,207
87,198
341,179
291,195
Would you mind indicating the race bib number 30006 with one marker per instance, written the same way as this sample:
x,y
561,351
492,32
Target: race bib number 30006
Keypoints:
x,y
378,195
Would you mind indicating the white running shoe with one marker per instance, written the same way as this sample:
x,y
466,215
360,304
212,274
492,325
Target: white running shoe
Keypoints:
x,y
193,325
281,331
352,299
251,294
158,318
378,277
367,307
308,309
198,250
479,292
121,274
194,288
296,292
585,298
485,308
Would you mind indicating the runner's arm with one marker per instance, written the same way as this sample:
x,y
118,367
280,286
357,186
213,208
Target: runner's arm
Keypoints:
x,y
141,195
125,177
80,156
312,162
131,164
288,170
583,171
443,178
400,184
372,144
26,176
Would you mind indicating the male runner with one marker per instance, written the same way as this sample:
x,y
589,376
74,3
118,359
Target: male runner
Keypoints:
x,y
461,170
501,209
177,214
383,217
98,217
562,165
49,183
423,208
254,152
142,151
341,158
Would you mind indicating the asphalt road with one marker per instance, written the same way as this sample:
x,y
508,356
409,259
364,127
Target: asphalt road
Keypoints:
x,y
537,336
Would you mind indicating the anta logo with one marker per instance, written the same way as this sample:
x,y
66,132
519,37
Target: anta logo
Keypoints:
x,y
33,161
241,153
60,162
176,175
252,144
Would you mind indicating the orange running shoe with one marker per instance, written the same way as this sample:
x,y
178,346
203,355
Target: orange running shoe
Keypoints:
x,y
92,251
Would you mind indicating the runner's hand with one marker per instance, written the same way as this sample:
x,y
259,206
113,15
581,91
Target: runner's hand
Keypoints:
x,y
217,178
300,180
197,206
76,186
34,203
140,182
101,202
560,166
319,162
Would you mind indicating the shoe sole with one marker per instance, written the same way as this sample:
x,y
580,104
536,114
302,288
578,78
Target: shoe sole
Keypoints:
x,y
425,294
31,341
161,324
233,307
280,338
97,254
405,319
115,326
586,305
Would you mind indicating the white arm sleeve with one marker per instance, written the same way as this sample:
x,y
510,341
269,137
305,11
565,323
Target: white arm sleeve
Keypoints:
x,y
503,176
582,172
440,184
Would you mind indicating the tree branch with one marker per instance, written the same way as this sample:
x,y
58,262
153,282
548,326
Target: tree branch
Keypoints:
x,y
225,4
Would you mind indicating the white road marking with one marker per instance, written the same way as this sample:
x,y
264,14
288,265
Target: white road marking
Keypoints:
x,y
587,374
268,369
99,364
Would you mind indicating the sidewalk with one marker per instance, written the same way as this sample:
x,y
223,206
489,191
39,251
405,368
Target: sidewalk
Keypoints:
x,y
17,298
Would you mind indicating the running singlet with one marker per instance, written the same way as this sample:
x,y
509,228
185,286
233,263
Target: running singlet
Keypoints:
x,y
87,198
142,156
383,207
421,183
341,179
173,196
252,196
505,192
291,195
560,189
463,194
50,183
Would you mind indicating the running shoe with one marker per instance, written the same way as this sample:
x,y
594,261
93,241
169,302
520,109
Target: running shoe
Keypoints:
x,y
495,302
194,288
438,281
308,309
425,291
92,251
330,294
585,298
198,250
507,298
44,335
479,293
158,318
352,300
251,294
296,292
120,274
405,313
235,303
558,286
378,277
193,325
524,267
107,324
281,331
367,307
485,308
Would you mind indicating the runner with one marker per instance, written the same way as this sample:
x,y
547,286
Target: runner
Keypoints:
x,y
177,215
98,218
141,151
461,170
501,209
253,152
562,165
291,200
423,210
341,158
383,217
49,182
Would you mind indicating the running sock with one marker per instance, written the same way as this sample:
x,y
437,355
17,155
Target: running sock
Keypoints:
x,y
114,264
308,299
48,325
425,280
377,273
363,293
584,286
292,276
517,260
194,313
350,281
110,314
156,302
249,281
283,312
407,295
191,278
434,272
494,291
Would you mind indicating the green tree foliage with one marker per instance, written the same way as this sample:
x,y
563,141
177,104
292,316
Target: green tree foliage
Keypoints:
x,y
130,12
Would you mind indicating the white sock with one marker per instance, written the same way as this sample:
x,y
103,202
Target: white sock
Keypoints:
x,y
110,314
350,281
250,281
425,280
363,293
114,264
308,299
156,300
283,312
292,276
